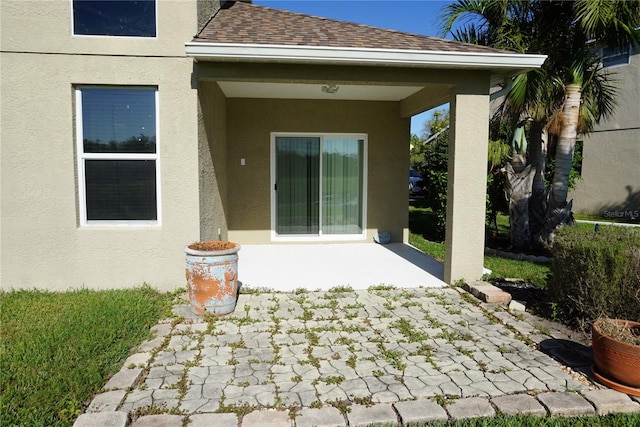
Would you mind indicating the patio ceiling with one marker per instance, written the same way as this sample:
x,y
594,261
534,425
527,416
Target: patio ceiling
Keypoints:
x,y
314,91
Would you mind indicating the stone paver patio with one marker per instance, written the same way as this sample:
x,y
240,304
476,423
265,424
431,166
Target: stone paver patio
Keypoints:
x,y
381,356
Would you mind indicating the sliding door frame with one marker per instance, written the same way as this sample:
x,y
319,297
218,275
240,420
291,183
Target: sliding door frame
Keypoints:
x,y
317,237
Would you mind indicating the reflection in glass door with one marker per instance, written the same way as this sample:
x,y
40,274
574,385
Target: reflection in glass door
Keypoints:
x,y
297,185
319,185
342,165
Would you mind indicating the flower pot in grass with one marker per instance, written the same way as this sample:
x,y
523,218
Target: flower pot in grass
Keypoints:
x,y
212,276
616,354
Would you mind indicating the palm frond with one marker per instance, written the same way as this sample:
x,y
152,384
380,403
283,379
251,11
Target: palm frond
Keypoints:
x,y
613,23
599,92
463,11
577,73
469,35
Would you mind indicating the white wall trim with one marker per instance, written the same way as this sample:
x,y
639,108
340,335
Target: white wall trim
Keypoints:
x,y
81,156
347,55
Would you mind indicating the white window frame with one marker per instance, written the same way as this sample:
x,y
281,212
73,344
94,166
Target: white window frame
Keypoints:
x,y
73,29
82,157
275,237
625,52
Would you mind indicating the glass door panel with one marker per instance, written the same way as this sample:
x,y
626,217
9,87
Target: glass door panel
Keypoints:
x,y
342,186
297,185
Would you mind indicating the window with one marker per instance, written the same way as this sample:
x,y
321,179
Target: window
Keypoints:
x,y
117,154
611,57
319,186
114,18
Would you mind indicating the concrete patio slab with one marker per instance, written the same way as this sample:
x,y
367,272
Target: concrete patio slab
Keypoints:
x,y
287,267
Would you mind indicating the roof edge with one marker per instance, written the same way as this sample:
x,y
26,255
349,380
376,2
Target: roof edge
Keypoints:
x,y
360,56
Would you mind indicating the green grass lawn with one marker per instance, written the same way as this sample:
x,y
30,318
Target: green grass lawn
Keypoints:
x,y
612,420
530,272
58,349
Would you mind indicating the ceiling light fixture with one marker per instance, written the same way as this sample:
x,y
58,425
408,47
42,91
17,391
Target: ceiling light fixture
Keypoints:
x,y
330,88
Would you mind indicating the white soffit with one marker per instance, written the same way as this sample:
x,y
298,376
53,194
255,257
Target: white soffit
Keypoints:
x,y
314,91
362,56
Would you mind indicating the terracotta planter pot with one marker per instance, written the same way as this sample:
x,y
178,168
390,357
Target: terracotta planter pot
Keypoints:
x,y
616,363
212,277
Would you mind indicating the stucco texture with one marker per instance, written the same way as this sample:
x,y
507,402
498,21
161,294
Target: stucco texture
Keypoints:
x,y
212,155
610,184
46,26
43,244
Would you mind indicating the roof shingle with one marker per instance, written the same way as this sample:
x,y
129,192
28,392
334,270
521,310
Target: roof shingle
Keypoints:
x,y
246,23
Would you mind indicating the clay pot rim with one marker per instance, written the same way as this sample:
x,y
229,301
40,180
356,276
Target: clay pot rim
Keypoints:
x,y
630,322
236,247
598,331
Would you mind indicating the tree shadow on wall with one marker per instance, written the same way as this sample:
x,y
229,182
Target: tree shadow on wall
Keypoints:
x,y
626,211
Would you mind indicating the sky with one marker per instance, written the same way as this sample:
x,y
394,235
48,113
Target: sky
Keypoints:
x,y
412,16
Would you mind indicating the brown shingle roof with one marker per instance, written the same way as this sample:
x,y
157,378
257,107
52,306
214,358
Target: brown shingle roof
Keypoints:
x,y
246,23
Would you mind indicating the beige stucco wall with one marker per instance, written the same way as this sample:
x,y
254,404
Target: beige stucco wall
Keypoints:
x,y
45,26
42,243
250,123
212,154
466,183
611,154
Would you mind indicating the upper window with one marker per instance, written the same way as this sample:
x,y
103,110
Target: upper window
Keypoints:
x,y
114,18
619,56
117,154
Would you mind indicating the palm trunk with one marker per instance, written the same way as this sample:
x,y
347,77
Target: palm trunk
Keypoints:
x,y
558,210
538,199
565,148
519,192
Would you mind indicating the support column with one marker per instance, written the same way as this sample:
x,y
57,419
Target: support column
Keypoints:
x,y
467,183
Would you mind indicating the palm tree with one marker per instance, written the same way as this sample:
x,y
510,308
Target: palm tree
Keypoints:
x,y
567,95
589,97
612,24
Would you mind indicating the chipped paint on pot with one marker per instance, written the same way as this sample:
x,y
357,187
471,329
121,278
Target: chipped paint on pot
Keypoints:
x,y
212,280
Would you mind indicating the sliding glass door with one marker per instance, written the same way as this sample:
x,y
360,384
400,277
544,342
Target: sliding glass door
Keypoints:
x,y
297,185
342,161
319,185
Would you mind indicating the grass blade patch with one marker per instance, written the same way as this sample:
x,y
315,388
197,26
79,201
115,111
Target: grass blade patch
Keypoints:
x,y
57,349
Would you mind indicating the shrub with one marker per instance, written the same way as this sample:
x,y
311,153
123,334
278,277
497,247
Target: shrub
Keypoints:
x,y
596,274
436,199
